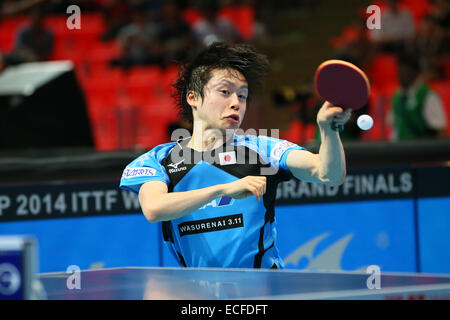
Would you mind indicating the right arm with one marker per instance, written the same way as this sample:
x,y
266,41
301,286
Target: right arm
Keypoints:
x,y
159,205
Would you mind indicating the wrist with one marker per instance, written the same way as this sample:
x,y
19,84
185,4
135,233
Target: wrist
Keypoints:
x,y
327,128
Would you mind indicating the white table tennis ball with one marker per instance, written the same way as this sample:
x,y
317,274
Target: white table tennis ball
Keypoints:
x,y
365,122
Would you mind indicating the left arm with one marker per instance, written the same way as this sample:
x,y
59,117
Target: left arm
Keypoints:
x,y
328,166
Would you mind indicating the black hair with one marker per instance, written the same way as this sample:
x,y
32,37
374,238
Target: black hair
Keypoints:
x,y
408,60
195,75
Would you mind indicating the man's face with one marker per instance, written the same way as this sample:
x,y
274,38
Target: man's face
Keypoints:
x,y
224,101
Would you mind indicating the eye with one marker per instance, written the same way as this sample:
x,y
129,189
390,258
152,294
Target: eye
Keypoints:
x,y
243,96
226,92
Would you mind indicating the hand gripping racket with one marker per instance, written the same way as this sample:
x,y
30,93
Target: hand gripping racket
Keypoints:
x,y
342,84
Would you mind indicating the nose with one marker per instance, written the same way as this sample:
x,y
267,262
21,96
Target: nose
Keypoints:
x,y
235,102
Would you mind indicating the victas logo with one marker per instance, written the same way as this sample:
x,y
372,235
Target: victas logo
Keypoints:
x,y
220,202
175,167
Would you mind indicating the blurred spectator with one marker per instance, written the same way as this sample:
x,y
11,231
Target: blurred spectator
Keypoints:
x,y
34,42
397,27
14,7
441,12
116,14
263,20
430,45
174,34
212,28
417,112
139,40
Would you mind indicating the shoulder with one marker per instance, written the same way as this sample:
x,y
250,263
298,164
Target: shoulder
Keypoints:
x,y
272,149
155,155
146,167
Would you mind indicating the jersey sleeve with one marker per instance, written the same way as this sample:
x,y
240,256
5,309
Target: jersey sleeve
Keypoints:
x,y
145,168
277,151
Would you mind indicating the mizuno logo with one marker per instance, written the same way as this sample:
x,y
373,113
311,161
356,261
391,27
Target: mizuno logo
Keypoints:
x,y
175,165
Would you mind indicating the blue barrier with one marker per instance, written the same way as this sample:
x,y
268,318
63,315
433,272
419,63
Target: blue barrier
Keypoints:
x,y
398,219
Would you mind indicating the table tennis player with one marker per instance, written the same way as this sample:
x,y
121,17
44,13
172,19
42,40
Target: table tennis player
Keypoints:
x,y
215,204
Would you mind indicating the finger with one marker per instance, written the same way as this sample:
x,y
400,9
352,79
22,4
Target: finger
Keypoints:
x,y
336,111
243,195
341,119
327,105
258,178
260,187
254,190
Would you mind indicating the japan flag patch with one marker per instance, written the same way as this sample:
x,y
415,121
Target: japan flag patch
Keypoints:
x,y
227,158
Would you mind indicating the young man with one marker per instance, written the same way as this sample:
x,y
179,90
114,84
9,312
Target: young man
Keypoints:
x,y
215,191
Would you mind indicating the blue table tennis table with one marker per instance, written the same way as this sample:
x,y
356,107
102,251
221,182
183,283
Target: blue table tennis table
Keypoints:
x,y
210,284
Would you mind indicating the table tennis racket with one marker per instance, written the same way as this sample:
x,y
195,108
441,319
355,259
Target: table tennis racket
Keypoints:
x,y
342,84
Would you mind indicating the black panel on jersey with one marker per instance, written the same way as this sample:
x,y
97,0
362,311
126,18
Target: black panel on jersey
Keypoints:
x,y
177,169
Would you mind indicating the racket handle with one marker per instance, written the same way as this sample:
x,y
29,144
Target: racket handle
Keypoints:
x,y
337,127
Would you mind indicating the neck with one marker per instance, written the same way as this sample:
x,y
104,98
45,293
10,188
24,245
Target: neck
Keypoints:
x,y
204,139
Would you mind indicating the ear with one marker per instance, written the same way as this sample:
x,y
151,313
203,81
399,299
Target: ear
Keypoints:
x,y
191,98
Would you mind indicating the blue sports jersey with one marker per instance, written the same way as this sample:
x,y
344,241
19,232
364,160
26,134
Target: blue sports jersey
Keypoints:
x,y
232,233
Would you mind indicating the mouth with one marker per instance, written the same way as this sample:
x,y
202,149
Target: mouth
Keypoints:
x,y
233,117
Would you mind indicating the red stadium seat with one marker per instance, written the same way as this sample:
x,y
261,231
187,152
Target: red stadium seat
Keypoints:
x,y
9,28
141,76
102,51
57,24
6,42
151,129
93,23
13,24
418,9
293,132
171,73
142,84
97,57
169,76
191,16
242,17
102,115
383,71
65,48
380,104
